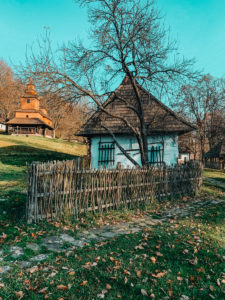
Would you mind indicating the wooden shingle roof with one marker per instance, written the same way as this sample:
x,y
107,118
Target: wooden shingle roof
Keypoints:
x,y
158,117
217,151
27,121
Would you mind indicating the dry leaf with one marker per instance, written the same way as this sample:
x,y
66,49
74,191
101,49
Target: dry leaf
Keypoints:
x,y
144,293
2,285
153,259
84,282
211,288
201,269
138,273
111,258
159,275
43,291
19,294
125,280
61,287
108,286
71,273
158,253
33,269
4,236
126,272
179,278
101,296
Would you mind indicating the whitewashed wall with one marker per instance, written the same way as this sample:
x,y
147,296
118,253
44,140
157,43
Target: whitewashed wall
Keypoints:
x,y
170,149
2,127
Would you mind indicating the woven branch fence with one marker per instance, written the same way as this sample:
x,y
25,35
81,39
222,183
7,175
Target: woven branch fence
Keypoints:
x,y
60,187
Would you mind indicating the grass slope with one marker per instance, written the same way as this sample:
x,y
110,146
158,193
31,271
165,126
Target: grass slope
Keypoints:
x,y
16,152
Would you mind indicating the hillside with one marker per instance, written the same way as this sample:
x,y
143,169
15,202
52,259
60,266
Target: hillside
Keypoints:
x,y
18,151
55,145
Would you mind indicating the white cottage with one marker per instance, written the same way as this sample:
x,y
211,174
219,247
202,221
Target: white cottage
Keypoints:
x,y
164,127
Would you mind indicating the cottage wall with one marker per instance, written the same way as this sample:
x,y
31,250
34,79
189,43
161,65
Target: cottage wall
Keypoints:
x,y
129,143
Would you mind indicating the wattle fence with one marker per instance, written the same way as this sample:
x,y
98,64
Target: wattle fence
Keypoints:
x,y
62,187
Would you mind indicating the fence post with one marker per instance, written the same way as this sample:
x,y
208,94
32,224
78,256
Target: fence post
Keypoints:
x,y
119,180
32,194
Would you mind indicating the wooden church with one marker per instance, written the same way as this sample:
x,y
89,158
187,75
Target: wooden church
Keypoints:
x,y
30,118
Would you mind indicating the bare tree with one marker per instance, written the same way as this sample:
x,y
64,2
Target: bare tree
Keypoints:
x,y
203,103
10,92
127,38
66,117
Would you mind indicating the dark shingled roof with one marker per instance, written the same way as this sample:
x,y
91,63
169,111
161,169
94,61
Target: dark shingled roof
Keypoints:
x,y
217,151
158,117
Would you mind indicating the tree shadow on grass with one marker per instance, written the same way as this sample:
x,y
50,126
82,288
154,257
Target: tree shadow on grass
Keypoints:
x,y
13,176
21,155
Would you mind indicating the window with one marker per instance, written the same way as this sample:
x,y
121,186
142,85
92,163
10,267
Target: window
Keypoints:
x,y
28,100
106,154
156,154
27,116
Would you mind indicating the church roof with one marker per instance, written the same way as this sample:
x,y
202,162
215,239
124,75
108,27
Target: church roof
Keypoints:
x,y
27,121
158,117
33,111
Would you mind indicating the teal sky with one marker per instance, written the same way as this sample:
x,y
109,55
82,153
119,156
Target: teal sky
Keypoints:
x,y
198,25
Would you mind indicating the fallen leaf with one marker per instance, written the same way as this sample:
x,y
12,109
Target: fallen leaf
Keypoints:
x,y
61,287
43,291
2,285
144,293
33,269
72,273
19,294
201,269
138,273
159,275
153,259
108,286
84,282
158,253
179,278
101,296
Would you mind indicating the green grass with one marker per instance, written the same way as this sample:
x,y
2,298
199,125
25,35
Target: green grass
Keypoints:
x,y
183,256
18,151
215,174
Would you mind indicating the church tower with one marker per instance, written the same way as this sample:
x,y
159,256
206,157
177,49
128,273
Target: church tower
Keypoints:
x,y
30,118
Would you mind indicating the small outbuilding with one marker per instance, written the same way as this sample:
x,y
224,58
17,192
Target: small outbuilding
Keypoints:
x,y
215,157
163,126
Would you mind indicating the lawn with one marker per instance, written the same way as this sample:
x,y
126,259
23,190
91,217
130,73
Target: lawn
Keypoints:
x,y
180,257
18,151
